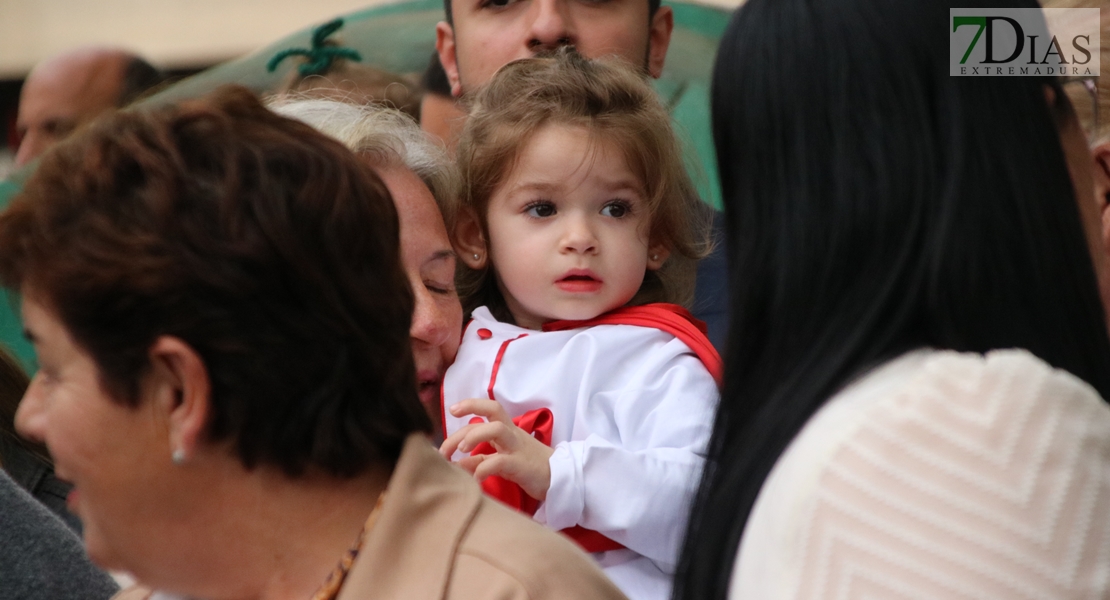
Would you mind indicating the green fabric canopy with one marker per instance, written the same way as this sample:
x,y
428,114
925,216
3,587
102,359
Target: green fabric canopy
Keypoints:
x,y
400,38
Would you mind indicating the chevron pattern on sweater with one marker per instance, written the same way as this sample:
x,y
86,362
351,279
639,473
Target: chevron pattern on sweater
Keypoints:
x,y
982,479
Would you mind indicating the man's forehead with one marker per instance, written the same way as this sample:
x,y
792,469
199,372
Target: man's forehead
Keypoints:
x,y
470,7
72,87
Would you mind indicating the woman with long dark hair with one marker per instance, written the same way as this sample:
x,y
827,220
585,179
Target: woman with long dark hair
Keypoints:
x,y
913,403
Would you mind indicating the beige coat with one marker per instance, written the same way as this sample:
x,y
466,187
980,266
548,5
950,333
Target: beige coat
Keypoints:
x,y
438,537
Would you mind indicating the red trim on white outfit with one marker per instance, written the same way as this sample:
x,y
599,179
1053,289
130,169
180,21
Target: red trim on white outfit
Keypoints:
x,y
442,398
497,363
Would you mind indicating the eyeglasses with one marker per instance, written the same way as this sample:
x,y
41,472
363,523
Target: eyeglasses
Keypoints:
x,y
1083,94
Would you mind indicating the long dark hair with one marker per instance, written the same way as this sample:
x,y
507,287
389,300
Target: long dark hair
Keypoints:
x,y
875,204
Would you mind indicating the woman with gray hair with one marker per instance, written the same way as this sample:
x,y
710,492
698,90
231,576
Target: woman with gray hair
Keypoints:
x,y
423,182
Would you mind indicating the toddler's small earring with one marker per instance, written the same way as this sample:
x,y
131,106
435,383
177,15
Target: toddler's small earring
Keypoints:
x,y
178,456
476,257
654,257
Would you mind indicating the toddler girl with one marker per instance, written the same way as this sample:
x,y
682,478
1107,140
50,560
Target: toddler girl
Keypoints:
x,y
582,392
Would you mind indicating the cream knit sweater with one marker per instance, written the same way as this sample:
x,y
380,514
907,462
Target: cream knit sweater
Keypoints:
x,y
939,475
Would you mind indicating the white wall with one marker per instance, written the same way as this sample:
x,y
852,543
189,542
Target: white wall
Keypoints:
x,y
169,33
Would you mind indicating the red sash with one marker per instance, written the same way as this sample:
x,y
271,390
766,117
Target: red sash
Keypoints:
x,y
670,318
538,423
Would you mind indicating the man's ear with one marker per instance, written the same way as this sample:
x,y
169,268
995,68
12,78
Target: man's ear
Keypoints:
x,y
445,47
657,255
659,39
470,239
183,393
1101,155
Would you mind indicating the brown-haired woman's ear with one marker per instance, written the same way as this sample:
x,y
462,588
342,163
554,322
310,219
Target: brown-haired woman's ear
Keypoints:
x,y
183,395
470,239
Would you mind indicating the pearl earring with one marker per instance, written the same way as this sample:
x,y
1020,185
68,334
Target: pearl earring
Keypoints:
x,y
476,257
654,257
178,457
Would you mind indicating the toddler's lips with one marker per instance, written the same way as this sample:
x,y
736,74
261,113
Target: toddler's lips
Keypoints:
x,y
579,281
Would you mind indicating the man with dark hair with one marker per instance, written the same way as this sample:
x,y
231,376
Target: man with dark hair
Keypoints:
x,y
68,90
479,36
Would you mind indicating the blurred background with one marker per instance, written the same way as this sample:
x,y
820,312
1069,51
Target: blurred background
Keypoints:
x,y
180,37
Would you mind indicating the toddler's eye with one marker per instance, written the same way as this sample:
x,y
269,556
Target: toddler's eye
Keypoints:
x,y
540,209
497,3
616,209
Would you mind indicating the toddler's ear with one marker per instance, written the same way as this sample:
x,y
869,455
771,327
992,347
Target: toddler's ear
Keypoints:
x,y
470,239
657,255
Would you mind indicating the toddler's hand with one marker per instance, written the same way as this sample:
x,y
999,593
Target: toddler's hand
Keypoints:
x,y
520,458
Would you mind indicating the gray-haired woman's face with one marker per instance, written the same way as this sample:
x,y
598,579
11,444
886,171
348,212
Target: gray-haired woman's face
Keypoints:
x,y
429,262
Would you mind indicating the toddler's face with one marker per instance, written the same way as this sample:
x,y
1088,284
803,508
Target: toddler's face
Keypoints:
x,y
568,229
